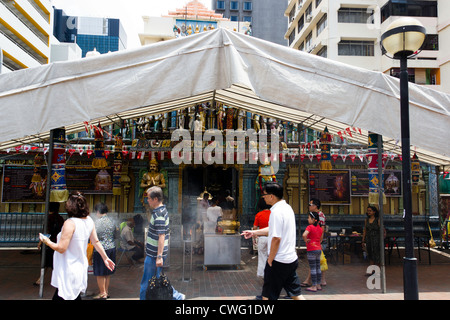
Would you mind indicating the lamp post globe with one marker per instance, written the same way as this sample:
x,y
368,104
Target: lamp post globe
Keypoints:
x,y
402,39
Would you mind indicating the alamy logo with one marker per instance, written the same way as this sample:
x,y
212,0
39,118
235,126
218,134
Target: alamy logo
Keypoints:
x,y
208,147
374,280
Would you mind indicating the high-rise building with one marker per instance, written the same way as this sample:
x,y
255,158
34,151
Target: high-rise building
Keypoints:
x,y
25,31
102,34
349,31
265,16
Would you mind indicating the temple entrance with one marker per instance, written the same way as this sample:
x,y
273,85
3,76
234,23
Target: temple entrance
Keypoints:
x,y
216,180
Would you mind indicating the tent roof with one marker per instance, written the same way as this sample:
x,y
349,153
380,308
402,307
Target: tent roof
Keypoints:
x,y
231,68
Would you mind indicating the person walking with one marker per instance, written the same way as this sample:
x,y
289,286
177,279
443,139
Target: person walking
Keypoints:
x,y
70,264
105,231
313,238
54,225
261,222
157,244
282,262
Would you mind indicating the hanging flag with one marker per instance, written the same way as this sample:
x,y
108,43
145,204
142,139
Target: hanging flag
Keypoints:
x,y
118,157
415,173
372,157
58,188
325,147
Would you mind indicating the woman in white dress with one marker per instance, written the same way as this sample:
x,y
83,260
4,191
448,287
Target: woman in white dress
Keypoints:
x,y
70,262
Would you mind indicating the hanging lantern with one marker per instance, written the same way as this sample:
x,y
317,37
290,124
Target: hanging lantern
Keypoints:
x,y
58,188
372,158
99,161
118,157
415,173
325,147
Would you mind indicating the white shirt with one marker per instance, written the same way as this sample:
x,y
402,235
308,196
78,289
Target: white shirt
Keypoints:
x,y
70,268
125,236
282,225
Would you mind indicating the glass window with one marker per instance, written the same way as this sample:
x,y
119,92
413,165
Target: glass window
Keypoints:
x,y
292,37
247,19
234,5
431,42
233,18
356,15
301,24
356,48
322,24
308,41
411,8
220,5
247,6
323,52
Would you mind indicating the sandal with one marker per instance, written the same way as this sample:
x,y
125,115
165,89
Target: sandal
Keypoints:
x,y
312,290
304,284
100,296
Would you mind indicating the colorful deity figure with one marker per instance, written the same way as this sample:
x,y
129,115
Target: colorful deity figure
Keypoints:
x,y
325,147
230,117
265,174
220,116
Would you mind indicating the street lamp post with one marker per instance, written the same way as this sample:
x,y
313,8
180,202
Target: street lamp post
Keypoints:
x,y
402,39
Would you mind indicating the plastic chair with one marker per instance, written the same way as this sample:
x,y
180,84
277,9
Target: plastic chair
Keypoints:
x,y
127,254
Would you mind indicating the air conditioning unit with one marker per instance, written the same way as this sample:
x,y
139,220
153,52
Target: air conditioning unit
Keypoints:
x,y
308,18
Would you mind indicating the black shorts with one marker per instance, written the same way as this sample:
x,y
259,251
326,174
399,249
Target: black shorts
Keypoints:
x,y
281,276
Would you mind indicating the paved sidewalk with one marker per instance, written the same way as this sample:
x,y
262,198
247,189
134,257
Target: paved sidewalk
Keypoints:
x,y
19,269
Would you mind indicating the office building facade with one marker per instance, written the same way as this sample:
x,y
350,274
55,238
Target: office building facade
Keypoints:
x,y
102,34
349,31
25,31
265,16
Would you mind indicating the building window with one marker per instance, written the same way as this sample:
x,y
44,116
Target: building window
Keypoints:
x,y
321,25
323,52
431,42
318,2
301,24
234,18
247,6
292,37
356,48
356,15
308,41
410,8
302,46
234,5
395,72
247,19
220,5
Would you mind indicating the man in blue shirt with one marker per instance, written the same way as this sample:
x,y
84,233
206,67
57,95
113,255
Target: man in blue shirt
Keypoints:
x,y
157,241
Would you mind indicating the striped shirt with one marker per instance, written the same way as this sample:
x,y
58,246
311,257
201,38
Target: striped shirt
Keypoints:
x,y
159,224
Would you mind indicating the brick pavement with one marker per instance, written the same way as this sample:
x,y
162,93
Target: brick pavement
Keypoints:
x,y
18,270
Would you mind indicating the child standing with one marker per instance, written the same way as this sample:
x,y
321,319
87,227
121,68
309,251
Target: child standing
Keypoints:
x,y
313,238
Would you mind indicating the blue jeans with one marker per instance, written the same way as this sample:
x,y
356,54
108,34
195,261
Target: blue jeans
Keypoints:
x,y
149,271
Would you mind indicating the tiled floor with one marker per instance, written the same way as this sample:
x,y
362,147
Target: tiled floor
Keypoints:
x,y
19,269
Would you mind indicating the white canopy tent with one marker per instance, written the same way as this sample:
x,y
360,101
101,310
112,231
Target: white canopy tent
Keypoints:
x,y
228,67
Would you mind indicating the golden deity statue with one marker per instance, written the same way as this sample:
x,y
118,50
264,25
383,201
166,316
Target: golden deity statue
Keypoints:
x,y
150,179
